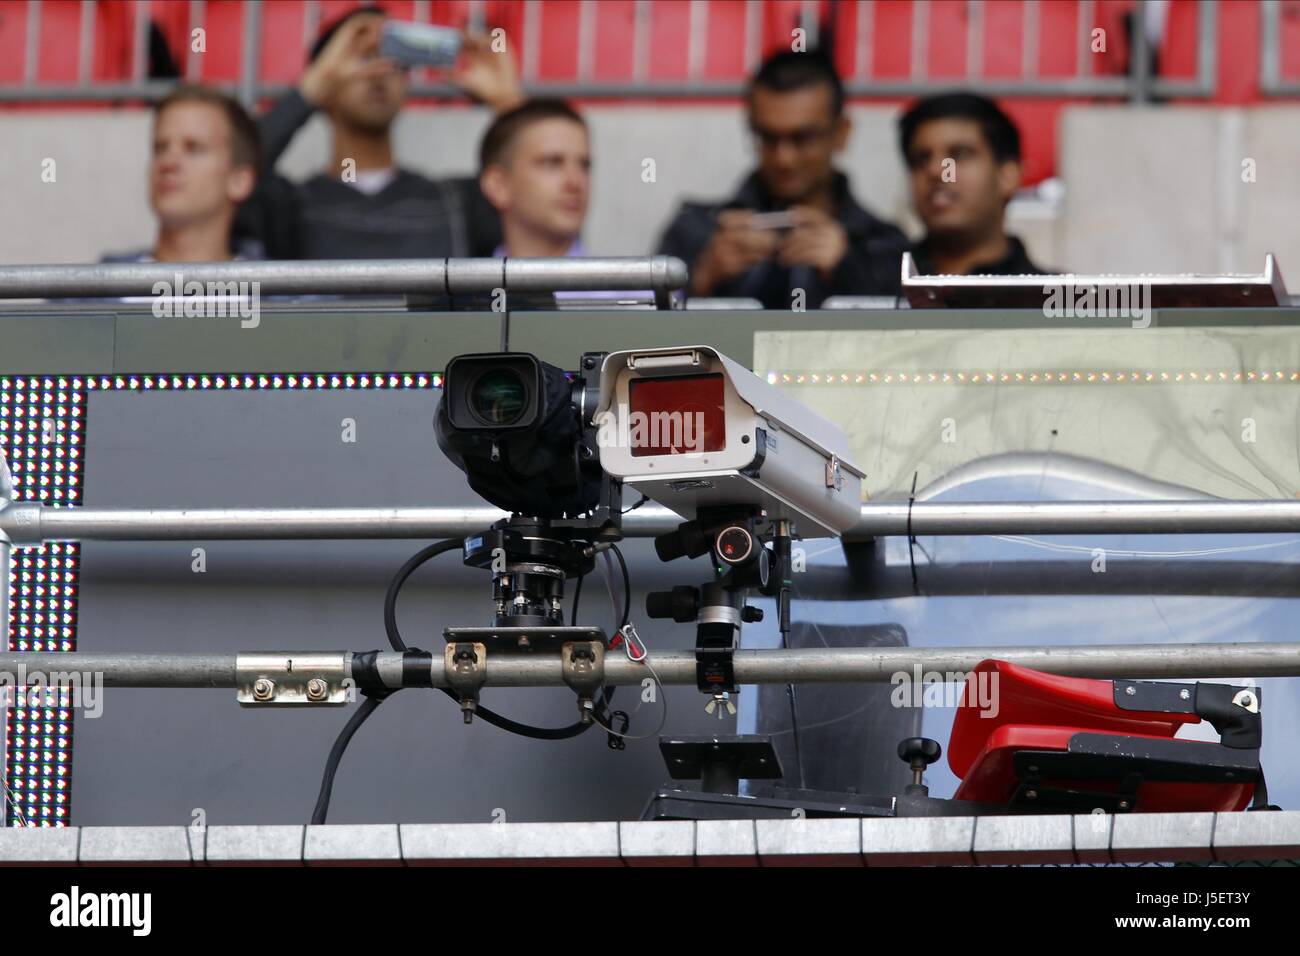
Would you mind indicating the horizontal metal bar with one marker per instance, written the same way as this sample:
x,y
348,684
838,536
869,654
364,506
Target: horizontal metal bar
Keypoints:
x,y
1117,87
28,524
678,667
1079,517
1288,89
123,670
1270,52
350,276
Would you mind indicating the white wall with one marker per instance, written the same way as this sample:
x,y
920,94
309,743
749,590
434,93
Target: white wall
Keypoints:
x,y
1160,190
1147,190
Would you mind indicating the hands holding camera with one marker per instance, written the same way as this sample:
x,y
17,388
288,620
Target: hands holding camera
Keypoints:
x,y
490,77
743,239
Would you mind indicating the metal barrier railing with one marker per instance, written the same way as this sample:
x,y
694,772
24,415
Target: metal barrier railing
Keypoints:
x,y
1270,52
24,524
811,665
1138,85
658,274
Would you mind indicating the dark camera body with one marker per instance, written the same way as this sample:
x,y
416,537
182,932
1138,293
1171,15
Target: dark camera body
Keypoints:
x,y
519,428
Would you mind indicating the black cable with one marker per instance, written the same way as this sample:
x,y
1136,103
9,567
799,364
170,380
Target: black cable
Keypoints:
x,y
336,754
781,549
404,572
577,595
644,499
794,720
627,586
395,639
911,538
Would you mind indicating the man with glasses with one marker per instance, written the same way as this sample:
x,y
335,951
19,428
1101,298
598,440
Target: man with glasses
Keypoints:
x,y
793,235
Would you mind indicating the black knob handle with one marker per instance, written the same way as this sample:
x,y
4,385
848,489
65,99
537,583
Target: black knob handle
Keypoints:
x,y
682,603
915,749
751,615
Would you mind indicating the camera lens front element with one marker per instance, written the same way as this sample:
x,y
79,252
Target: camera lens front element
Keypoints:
x,y
498,397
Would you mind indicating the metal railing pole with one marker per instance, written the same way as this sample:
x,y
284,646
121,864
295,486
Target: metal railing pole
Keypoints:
x,y
851,665
250,53
29,524
660,274
1140,56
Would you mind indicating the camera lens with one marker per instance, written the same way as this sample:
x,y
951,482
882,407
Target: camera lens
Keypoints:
x,y
498,397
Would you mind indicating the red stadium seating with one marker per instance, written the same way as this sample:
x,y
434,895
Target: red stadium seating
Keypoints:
x,y
284,36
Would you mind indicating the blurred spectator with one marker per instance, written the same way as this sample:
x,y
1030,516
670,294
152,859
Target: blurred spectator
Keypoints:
x,y
535,170
820,240
364,205
963,157
204,164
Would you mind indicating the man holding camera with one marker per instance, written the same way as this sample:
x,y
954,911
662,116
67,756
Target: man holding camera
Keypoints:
x,y
364,205
794,225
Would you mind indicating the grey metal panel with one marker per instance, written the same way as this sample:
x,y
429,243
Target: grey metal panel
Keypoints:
x,y
804,842
253,844
657,843
561,340
1252,836
328,342
575,843
726,843
1092,837
1033,839
43,344
72,341
29,846
1137,838
117,845
918,841
923,841
372,843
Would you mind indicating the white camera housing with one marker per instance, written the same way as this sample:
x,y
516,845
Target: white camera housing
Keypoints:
x,y
777,455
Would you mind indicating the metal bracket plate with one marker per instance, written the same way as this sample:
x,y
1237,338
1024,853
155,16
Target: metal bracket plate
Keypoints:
x,y
288,678
583,664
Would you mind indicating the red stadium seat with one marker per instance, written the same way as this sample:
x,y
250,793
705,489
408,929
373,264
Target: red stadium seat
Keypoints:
x,y
1069,744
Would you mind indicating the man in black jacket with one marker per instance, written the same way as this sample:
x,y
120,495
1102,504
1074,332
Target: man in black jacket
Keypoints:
x,y
363,205
793,235
963,159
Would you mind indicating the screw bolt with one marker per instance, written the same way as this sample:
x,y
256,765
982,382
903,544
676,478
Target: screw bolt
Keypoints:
x,y
317,689
263,689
